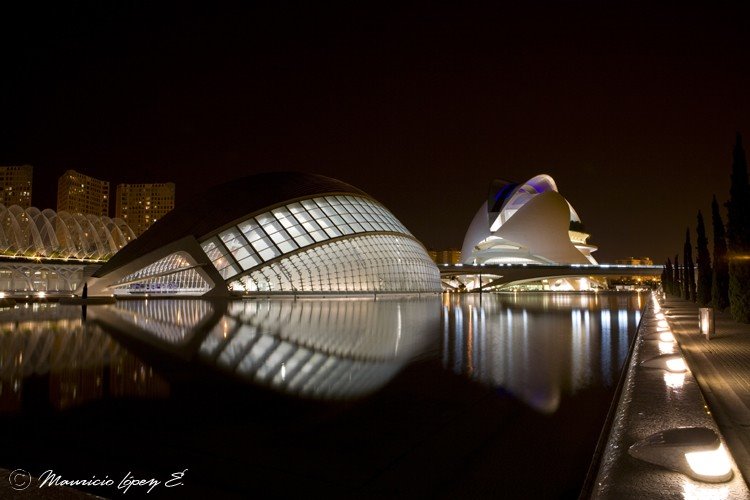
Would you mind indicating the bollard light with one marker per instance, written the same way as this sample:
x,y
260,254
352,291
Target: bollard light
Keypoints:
x,y
706,321
694,451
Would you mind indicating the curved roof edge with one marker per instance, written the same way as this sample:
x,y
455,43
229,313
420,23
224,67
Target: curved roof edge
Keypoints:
x,y
223,204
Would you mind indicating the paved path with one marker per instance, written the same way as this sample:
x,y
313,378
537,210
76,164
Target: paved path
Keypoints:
x,y
654,400
722,368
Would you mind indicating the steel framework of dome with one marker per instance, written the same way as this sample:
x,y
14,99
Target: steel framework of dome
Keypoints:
x,y
35,233
285,232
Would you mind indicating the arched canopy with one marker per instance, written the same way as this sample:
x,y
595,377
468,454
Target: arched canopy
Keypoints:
x,y
47,234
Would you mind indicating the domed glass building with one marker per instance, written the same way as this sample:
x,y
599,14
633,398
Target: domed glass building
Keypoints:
x,y
283,232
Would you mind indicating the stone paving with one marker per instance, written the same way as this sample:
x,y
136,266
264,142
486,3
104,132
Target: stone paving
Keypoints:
x,y
722,368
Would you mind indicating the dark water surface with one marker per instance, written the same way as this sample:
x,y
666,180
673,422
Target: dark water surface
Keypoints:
x,y
450,396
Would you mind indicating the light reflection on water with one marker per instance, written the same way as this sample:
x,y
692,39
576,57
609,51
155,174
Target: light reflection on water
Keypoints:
x,y
313,348
539,346
77,361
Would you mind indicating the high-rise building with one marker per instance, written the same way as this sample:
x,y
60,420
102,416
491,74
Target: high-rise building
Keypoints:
x,y
140,205
80,193
451,256
15,185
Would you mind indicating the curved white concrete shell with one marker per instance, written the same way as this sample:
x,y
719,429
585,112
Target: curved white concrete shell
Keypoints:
x,y
529,223
32,233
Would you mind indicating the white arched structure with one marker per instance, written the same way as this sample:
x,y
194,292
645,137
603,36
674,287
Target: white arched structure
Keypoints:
x,y
529,223
47,234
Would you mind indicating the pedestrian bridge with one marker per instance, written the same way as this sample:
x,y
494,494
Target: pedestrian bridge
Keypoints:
x,y
499,275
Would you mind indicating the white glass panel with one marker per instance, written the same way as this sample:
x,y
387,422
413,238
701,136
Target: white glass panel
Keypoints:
x,y
250,262
303,240
287,246
295,208
268,253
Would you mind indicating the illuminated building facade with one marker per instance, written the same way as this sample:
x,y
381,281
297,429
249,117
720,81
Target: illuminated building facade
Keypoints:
x,y
277,232
15,185
526,223
451,256
83,194
636,261
140,205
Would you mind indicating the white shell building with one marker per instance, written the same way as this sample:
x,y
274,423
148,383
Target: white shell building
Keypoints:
x,y
528,223
276,232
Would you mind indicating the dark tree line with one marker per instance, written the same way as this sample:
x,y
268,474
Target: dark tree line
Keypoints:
x,y
720,281
723,281
738,236
703,262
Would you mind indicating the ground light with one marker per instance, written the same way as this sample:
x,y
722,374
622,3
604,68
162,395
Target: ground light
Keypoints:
x,y
666,337
694,451
660,335
670,362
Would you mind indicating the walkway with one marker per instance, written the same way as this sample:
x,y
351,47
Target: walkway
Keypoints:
x,y
654,400
722,368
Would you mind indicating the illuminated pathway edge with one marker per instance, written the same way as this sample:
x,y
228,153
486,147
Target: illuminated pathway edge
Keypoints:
x,y
722,369
656,399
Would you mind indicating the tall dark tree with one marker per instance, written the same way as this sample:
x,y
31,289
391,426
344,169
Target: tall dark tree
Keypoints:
x,y
720,285
667,284
738,236
677,279
689,274
703,259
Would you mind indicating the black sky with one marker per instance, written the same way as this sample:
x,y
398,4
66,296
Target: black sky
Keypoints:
x,y
632,108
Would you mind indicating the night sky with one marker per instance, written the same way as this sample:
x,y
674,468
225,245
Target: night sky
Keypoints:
x,y
633,109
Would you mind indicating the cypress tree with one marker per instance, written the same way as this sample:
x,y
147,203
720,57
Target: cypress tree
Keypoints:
x,y
677,280
738,236
720,285
668,276
704,264
689,285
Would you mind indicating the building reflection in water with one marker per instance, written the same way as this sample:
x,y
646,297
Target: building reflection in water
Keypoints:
x,y
539,346
68,362
313,348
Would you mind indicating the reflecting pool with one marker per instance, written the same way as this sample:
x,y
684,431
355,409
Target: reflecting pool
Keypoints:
x,y
451,395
